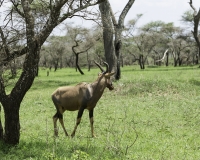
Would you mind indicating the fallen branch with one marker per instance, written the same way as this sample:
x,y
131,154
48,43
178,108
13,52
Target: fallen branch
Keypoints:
x,y
162,59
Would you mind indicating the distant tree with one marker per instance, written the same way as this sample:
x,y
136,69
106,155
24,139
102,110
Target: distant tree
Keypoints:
x,y
179,45
54,51
82,41
188,17
146,41
130,27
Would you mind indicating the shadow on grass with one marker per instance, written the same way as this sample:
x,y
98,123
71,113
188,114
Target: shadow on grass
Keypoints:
x,y
195,82
45,150
34,149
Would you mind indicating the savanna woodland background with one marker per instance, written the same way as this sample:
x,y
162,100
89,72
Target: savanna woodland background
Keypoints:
x,y
153,112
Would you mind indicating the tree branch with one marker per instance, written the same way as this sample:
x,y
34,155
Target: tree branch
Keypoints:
x,y
162,59
5,46
112,14
124,12
73,11
16,4
13,55
191,5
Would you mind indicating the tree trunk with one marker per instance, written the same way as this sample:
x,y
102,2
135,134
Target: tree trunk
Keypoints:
x,y
122,61
89,62
55,65
142,62
117,52
167,59
180,62
197,58
1,127
108,36
77,66
12,124
175,62
13,69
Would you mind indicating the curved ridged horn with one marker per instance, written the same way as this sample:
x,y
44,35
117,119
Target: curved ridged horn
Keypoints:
x,y
107,67
102,70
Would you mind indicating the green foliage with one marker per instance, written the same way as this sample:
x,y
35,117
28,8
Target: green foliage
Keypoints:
x,y
151,114
188,17
80,155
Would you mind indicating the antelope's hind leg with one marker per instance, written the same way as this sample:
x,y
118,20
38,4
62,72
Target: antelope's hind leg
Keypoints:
x,y
62,124
55,118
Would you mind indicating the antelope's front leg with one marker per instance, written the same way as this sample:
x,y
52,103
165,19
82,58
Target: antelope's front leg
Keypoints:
x,y
80,113
91,122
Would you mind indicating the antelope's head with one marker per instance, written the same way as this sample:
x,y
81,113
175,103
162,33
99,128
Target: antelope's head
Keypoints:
x,y
106,74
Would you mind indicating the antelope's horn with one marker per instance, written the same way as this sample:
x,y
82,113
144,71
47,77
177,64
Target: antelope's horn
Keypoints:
x,y
107,67
99,66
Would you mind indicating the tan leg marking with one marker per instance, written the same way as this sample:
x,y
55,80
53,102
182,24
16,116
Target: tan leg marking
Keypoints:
x,y
62,124
77,123
55,126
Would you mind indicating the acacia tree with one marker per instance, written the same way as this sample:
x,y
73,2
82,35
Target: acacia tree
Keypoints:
x,y
53,13
83,42
148,37
118,26
53,52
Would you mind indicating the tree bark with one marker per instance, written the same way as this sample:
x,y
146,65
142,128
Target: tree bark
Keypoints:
x,y
1,127
12,124
196,20
141,62
108,35
77,65
167,59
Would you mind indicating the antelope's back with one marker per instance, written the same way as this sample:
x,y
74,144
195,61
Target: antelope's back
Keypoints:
x,y
69,97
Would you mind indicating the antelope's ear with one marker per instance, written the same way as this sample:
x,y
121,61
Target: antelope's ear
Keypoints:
x,y
109,74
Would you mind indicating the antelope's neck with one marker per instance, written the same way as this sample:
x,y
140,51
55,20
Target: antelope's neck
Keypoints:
x,y
97,88
99,85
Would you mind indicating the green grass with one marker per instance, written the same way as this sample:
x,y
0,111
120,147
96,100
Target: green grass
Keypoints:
x,y
151,114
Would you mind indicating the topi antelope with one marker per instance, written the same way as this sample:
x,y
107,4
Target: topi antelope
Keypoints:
x,y
80,97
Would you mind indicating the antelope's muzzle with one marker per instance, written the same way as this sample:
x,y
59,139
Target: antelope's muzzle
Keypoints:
x,y
111,87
